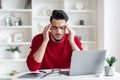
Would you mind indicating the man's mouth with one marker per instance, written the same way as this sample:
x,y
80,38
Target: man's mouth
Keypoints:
x,y
58,35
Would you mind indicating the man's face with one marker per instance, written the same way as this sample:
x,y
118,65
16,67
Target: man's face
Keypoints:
x,y
58,29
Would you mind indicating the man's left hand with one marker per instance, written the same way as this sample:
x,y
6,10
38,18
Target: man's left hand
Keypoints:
x,y
71,33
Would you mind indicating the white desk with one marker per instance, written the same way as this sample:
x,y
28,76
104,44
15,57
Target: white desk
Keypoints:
x,y
56,76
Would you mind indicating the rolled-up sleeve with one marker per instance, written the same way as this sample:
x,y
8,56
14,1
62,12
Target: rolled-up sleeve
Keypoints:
x,y
31,63
78,42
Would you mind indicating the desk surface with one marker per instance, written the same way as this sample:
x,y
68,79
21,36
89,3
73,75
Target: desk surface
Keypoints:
x,y
57,76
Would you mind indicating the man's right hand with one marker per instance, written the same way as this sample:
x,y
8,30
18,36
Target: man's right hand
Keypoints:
x,y
39,54
46,33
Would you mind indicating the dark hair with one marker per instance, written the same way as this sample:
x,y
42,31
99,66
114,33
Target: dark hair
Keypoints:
x,y
59,14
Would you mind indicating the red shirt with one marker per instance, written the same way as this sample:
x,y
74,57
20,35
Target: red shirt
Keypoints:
x,y
57,55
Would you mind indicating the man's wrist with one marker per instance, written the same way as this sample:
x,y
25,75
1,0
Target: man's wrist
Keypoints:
x,y
45,42
71,41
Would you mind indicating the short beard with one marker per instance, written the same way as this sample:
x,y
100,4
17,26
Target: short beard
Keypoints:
x,y
56,39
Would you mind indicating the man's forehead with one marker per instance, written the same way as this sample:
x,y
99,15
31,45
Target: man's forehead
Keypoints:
x,y
58,25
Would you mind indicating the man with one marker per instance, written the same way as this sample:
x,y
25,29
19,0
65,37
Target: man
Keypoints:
x,y
53,48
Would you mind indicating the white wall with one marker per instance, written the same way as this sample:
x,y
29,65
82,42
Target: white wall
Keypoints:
x,y
100,23
112,29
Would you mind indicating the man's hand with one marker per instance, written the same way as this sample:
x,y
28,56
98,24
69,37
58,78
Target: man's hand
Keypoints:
x,y
71,33
71,38
46,33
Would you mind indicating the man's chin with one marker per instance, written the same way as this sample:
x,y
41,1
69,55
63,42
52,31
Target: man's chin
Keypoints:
x,y
58,40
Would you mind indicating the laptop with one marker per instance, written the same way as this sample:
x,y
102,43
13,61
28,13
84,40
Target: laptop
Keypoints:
x,y
86,62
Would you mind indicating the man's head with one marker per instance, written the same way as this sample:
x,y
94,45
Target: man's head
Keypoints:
x,y
58,21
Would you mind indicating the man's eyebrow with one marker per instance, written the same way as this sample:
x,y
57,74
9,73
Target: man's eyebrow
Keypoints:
x,y
62,26
54,26
58,26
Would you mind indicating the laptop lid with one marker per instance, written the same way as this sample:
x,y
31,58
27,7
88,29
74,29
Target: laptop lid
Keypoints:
x,y
87,62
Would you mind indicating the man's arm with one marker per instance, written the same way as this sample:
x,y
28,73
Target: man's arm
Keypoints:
x,y
38,50
71,38
39,54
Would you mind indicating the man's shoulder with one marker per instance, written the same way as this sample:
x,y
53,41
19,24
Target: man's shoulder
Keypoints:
x,y
38,36
76,37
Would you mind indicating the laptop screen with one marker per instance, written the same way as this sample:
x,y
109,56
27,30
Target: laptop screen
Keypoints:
x,y
87,62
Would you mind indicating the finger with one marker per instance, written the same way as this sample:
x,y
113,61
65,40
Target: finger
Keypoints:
x,y
47,28
68,28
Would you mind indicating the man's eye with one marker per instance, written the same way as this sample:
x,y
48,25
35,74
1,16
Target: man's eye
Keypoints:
x,y
62,27
54,27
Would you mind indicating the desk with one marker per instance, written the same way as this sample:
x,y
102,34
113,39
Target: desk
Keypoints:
x,y
56,76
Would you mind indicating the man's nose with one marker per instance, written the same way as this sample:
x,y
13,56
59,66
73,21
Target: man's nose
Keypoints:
x,y
58,30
